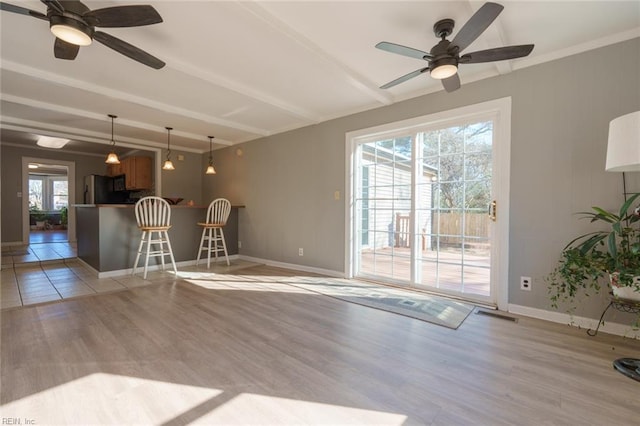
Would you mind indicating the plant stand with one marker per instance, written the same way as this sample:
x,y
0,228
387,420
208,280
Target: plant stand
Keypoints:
x,y
622,305
630,367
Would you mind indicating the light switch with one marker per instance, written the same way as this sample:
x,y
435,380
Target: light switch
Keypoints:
x,y
336,195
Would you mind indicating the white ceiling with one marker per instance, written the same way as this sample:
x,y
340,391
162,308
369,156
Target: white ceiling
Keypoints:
x,y
243,70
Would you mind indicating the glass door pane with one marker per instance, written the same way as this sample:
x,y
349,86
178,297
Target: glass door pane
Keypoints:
x,y
383,202
454,225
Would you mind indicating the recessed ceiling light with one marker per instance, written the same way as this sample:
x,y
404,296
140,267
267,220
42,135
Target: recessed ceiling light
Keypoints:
x,y
33,166
49,142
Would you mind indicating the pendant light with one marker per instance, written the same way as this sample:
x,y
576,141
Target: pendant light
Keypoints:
x,y
168,165
210,169
112,158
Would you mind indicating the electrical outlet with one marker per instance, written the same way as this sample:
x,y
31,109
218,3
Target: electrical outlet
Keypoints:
x,y
300,252
525,283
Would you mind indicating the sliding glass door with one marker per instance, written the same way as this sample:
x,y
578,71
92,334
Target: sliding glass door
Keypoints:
x,y
424,206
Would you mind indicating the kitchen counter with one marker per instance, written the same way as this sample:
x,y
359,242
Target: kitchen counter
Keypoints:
x,y
108,235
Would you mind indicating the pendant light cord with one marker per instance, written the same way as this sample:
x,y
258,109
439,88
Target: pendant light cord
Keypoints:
x,y
113,142
169,129
211,149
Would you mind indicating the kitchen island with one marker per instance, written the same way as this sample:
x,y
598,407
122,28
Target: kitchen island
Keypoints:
x,y
108,235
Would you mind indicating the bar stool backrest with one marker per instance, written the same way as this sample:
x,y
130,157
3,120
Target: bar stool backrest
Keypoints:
x,y
153,212
218,211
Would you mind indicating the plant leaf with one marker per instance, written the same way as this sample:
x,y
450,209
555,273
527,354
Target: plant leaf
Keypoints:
x,y
627,204
613,248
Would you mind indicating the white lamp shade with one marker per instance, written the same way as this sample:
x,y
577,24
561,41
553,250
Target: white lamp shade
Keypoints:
x,y
623,149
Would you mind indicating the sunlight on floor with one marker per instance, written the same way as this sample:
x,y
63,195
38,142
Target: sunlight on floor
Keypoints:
x,y
248,408
103,399
246,286
247,282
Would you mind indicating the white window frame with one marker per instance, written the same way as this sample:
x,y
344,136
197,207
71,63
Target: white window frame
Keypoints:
x,y
500,112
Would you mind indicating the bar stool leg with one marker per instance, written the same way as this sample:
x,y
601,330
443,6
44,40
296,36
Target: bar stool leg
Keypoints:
x,y
224,246
204,232
209,248
135,265
146,260
173,262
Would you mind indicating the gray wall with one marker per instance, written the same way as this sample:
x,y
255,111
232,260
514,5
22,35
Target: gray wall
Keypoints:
x,y
186,180
560,116
11,173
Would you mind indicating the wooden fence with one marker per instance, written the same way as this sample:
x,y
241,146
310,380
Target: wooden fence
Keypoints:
x,y
449,229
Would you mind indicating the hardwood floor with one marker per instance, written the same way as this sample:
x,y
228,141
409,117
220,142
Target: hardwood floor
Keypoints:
x,y
248,349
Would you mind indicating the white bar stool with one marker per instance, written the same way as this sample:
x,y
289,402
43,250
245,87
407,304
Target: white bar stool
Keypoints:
x,y
153,215
212,233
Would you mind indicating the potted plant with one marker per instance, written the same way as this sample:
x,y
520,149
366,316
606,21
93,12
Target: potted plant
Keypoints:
x,y
612,255
64,217
38,216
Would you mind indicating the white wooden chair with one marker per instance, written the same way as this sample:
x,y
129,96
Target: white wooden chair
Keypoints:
x,y
212,240
153,215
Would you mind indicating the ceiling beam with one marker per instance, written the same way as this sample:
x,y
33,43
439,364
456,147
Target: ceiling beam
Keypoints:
x,y
101,117
126,97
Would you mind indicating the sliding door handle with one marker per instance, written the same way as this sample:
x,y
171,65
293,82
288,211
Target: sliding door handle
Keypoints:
x,y
493,210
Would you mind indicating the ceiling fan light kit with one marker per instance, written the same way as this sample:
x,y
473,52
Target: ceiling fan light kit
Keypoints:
x,y
74,25
443,58
71,30
444,68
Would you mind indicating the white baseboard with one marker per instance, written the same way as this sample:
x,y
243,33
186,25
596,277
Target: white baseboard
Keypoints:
x,y
128,271
609,327
294,266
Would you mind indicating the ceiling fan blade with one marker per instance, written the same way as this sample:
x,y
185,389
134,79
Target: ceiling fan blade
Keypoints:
x,y
124,16
21,10
404,78
496,54
403,50
64,50
55,4
476,25
452,83
128,50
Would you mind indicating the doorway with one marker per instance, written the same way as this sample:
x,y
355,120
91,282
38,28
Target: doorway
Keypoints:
x,y
49,192
424,197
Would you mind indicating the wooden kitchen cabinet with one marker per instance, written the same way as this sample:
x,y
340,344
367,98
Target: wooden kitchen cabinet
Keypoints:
x,y
137,171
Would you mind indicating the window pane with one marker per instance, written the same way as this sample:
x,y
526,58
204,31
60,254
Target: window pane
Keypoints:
x,y
35,193
60,194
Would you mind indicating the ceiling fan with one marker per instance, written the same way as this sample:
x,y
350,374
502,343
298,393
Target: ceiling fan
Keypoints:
x,y
444,57
74,25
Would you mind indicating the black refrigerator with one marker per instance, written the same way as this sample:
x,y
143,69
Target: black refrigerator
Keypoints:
x,y
99,190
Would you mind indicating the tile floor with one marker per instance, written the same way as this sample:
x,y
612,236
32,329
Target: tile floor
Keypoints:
x,y
45,272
